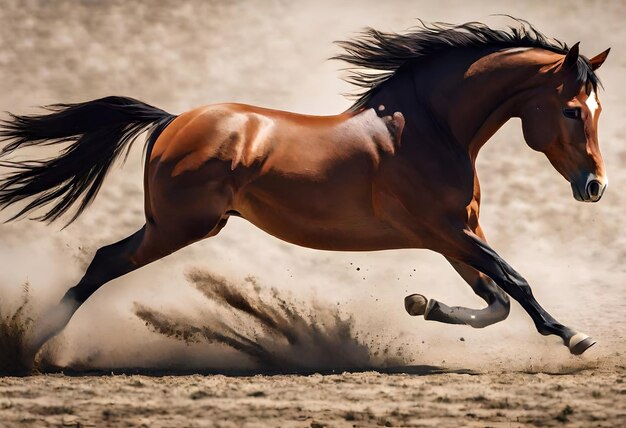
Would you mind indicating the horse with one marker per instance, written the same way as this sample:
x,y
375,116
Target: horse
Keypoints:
x,y
394,171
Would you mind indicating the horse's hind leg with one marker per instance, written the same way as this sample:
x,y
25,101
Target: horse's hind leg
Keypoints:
x,y
108,263
498,304
148,244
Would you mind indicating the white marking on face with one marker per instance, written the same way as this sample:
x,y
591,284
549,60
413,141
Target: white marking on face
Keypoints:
x,y
592,103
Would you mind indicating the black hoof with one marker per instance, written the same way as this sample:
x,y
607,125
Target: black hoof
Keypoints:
x,y
415,304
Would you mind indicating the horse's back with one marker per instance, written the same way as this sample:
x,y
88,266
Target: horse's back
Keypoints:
x,y
243,133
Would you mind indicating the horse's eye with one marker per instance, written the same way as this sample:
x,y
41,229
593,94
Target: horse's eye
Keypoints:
x,y
572,113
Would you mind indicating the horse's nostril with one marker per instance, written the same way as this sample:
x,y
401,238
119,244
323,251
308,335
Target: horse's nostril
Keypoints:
x,y
593,188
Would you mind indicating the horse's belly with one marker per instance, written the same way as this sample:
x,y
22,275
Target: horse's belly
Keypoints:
x,y
360,235
309,214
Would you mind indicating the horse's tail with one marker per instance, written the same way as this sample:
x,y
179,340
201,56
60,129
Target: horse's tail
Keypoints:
x,y
96,133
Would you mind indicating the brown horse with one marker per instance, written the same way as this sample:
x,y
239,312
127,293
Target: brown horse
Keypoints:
x,y
397,170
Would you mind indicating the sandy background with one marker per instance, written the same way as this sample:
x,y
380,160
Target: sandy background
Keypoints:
x,y
177,55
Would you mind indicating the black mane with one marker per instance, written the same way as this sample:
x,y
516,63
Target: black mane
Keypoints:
x,y
374,56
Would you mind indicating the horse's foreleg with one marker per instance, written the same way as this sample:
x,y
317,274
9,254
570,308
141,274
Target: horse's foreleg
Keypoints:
x,y
498,305
466,247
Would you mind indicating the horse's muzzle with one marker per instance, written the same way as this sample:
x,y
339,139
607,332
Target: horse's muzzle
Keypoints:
x,y
588,188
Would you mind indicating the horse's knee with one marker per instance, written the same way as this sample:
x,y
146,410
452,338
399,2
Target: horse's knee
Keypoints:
x,y
501,308
499,304
497,311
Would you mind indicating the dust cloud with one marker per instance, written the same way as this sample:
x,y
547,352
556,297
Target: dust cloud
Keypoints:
x,y
14,326
277,332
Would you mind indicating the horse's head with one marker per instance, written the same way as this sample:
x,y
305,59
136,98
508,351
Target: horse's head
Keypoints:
x,y
561,120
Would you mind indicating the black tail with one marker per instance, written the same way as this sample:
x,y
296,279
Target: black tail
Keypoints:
x,y
96,133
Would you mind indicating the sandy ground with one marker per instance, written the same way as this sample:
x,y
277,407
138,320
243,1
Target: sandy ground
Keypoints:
x,y
178,55
416,398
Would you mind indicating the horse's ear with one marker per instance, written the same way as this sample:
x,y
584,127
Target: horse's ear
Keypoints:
x,y
599,59
571,59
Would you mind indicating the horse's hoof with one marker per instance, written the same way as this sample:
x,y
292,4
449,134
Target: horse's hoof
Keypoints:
x,y
415,304
579,343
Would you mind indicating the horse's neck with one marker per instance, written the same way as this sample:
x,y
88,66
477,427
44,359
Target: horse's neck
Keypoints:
x,y
492,91
469,98
484,107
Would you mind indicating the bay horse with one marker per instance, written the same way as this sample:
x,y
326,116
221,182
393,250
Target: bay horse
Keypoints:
x,y
396,170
